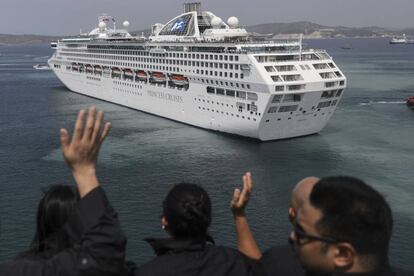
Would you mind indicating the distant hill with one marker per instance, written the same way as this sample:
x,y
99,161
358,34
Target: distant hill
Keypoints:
x,y
25,39
312,30
309,29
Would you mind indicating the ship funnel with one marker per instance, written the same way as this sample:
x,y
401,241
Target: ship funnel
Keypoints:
x,y
190,7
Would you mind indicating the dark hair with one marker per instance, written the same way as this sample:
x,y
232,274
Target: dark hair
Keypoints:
x,y
187,208
53,211
354,212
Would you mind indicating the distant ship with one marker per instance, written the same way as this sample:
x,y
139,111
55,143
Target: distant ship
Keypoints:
x,y
202,71
401,40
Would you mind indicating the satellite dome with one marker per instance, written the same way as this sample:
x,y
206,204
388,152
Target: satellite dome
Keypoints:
x,y
216,22
233,22
102,25
125,24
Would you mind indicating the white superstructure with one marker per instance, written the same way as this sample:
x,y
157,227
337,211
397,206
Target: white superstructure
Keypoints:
x,y
199,70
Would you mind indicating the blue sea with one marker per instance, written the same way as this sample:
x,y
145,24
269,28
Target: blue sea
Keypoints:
x,y
370,136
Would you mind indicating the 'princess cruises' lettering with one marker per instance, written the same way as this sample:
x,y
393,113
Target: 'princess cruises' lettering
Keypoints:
x,y
165,96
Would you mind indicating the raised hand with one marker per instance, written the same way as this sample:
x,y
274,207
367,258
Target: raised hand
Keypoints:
x,y
245,240
241,198
81,152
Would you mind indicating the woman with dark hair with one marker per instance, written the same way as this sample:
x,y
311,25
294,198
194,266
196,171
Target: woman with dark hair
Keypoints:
x,y
190,250
53,211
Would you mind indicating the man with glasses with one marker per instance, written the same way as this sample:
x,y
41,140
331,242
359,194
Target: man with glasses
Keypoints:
x,y
340,226
344,229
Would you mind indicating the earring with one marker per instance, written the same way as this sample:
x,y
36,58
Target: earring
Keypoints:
x,y
163,227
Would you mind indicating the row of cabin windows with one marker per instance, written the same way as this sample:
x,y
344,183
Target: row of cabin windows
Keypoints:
x,y
172,55
319,66
331,93
330,75
239,105
164,61
334,83
296,77
242,85
292,108
280,68
232,93
282,58
287,98
284,108
220,74
227,113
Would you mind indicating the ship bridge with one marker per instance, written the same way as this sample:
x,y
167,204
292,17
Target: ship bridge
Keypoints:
x,y
195,25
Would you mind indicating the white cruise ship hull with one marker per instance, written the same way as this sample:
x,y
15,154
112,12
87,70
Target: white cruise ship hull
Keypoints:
x,y
195,108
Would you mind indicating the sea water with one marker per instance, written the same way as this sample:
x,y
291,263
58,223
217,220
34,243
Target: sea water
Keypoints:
x,y
370,136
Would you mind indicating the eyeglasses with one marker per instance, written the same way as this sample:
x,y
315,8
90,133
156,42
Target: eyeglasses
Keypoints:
x,y
301,237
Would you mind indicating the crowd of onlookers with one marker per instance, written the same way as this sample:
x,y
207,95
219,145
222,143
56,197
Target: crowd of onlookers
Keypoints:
x,y
340,226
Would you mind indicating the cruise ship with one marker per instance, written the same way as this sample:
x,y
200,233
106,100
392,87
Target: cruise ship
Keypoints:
x,y
207,72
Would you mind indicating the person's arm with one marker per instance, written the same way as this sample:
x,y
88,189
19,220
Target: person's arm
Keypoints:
x,y
81,152
100,248
245,240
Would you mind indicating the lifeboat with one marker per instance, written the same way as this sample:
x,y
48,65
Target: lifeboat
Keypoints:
x,y
128,73
158,77
116,70
98,68
141,75
88,68
410,102
75,66
179,79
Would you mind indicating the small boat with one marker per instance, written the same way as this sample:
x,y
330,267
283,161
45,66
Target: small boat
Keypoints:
x,y
158,77
410,102
141,75
41,66
128,72
179,79
399,40
88,68
116,70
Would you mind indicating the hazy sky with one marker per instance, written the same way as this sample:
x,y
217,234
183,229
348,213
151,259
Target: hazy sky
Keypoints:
x,y
63,17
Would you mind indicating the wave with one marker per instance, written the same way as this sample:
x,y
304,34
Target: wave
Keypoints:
x,y
382,102
41,58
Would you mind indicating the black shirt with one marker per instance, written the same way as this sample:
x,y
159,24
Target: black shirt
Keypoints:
x,y
281,260
101,250
195,257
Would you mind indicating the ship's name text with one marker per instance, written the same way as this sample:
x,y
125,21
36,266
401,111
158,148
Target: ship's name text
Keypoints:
x,y
165,96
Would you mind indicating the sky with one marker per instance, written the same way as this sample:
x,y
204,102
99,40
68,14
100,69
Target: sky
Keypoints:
x,y
67,17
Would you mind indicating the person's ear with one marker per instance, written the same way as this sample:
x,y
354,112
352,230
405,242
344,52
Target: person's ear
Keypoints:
x,y
292,214
343,256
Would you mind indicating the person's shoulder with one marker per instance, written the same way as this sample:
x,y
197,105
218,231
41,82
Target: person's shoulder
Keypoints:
x,y
279,252
281,260
23,267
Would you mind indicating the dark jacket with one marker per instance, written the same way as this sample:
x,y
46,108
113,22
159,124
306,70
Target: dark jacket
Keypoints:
x,y
195,257
95,227
281,260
